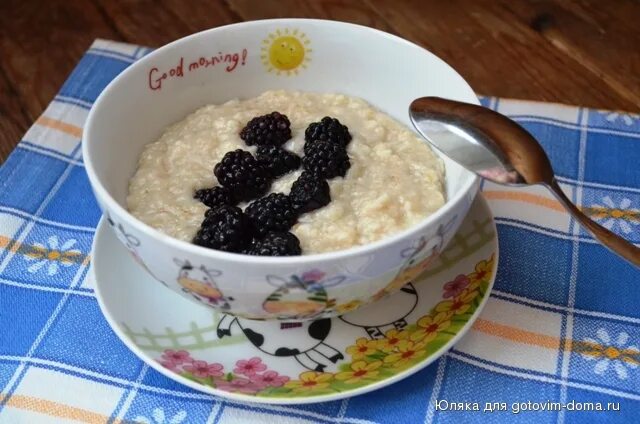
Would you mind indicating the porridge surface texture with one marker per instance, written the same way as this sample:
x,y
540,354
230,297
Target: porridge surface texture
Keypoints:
x,y
394,182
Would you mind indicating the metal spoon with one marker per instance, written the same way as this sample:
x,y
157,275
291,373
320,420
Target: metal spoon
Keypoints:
x,y
498,149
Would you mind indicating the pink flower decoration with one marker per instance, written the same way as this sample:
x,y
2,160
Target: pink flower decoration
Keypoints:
x,y
249,367
238,385
203,369
176,356
170,365
257,385
313,275
253,388
456,286
270,378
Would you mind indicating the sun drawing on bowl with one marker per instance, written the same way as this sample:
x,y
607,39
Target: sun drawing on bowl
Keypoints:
x,y
285,51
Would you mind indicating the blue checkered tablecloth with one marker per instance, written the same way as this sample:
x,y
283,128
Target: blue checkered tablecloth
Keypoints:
x,y
562,325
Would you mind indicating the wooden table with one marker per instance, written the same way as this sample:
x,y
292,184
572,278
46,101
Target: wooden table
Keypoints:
x,y
583,52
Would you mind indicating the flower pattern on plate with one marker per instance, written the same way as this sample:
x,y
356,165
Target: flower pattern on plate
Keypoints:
x,y
249,367
359,370
367,360
392,339
455,287
310,380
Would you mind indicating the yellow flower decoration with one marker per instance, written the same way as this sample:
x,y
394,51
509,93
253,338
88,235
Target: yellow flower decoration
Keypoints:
x,y
362,348
458,305
407,351
310,380
348,307
482,272
359,371
430,326
391,340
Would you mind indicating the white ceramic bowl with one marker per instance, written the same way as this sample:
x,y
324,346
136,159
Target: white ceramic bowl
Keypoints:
x,y
322,56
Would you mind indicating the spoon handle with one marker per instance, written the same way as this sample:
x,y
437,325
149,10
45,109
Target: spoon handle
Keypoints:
x,y
610,240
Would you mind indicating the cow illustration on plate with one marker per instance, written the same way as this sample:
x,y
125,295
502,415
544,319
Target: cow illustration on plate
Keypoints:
x,y
132,243
391,312
418,258
302,341
303,296
200,284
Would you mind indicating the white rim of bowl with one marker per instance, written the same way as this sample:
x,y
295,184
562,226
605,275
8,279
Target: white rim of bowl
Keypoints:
x,y
190,248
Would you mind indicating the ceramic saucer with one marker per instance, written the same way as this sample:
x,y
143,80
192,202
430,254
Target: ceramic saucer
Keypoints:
x,y
362,351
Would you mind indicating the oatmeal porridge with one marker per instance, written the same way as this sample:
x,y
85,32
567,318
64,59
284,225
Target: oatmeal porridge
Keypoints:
x,y
394,180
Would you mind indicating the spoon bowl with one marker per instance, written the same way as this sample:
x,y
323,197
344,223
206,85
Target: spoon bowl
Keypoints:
x,y
499,150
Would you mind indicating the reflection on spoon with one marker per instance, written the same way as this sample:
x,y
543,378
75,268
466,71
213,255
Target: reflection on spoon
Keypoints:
x,y
500,150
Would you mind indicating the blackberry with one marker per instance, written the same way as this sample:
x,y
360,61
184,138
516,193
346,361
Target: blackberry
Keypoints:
x,y
309,192
272,129
277,161
276,244
328,129
326,159
272,213
226,228
214,197
243,175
